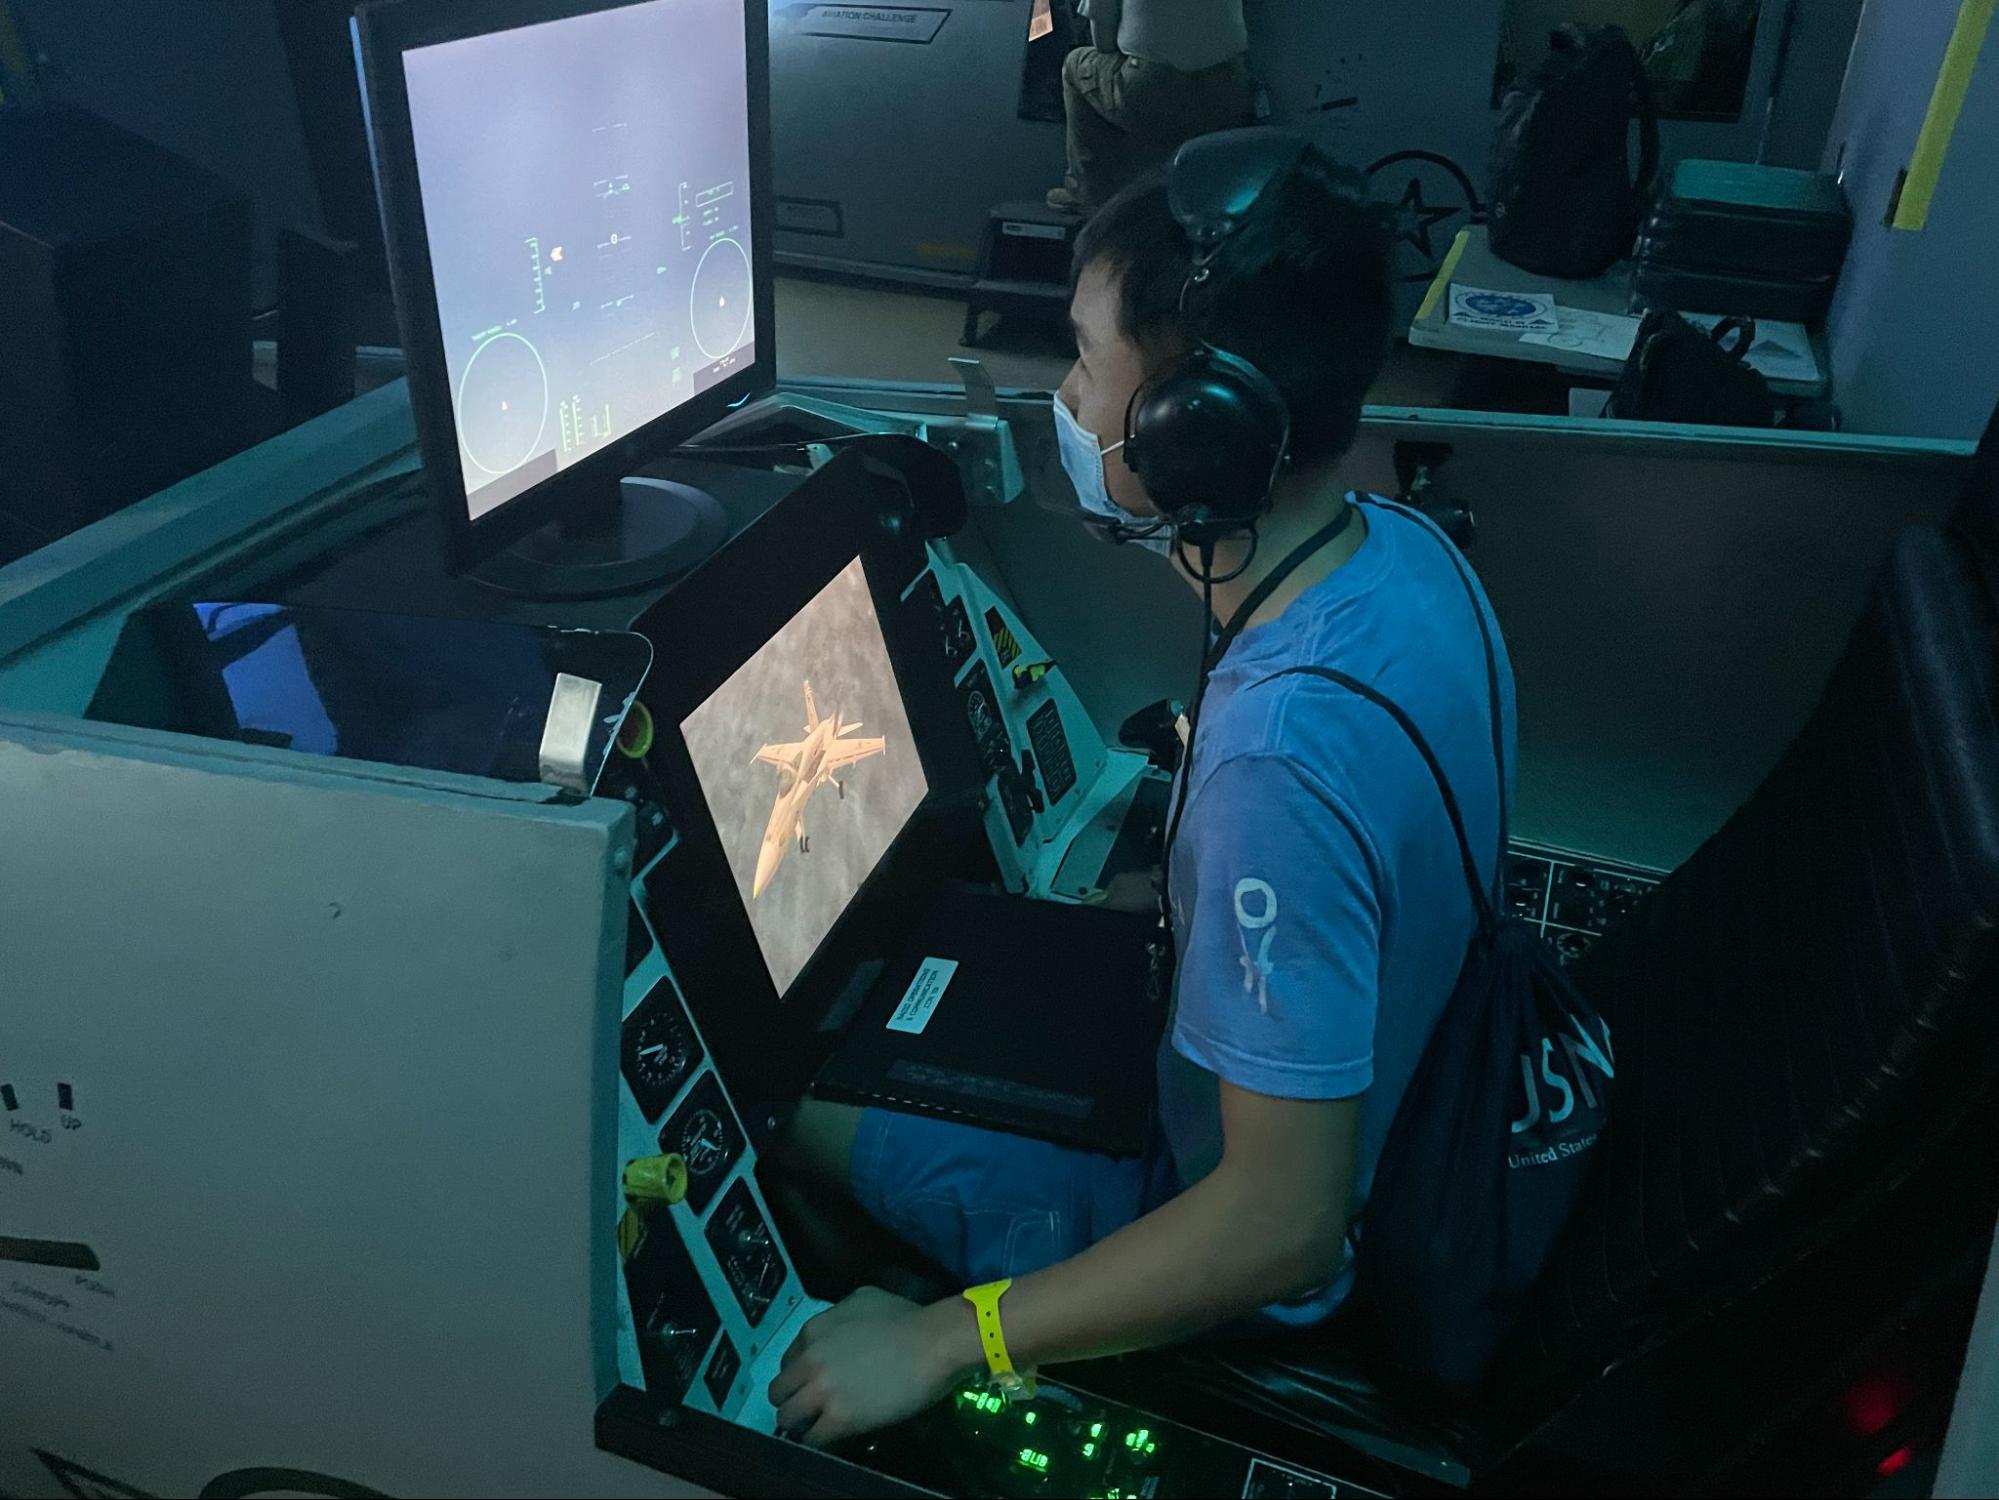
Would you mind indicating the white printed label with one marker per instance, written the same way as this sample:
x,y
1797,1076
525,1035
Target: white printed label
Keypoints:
x,y
919,1001
1267,1478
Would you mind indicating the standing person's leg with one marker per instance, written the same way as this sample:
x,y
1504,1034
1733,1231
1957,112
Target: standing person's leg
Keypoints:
x,y
1161,108
1093,86
1224,96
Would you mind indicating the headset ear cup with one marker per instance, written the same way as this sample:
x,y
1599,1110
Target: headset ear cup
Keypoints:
x,y
1208,439
1150,438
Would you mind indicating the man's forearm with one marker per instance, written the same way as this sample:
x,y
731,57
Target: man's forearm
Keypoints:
x,y
1219,1251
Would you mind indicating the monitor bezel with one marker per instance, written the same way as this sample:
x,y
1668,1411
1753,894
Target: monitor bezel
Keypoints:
x,y
885,606
770,1043
384,30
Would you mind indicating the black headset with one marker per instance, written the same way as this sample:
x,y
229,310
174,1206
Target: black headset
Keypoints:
x,y
1209,436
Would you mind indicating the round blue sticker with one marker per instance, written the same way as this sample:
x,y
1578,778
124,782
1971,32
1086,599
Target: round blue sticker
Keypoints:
x,y
1500,305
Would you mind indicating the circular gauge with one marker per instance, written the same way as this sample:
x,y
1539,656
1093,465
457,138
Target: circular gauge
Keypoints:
x,y
720,301
759,1274
958,642
704,1142
502,404
660,1051
980,710
756,1274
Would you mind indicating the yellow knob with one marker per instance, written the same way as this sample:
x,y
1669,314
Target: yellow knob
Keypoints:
x,y
630,1228
636,733
656,1179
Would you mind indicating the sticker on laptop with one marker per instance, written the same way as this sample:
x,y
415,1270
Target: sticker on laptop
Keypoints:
x,y
919,1001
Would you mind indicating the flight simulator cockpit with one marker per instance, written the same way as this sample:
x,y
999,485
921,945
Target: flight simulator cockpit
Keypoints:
x,y
863,763
614,744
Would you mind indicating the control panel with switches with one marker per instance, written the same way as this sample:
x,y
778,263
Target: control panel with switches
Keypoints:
x,y
1049,772
1066,1442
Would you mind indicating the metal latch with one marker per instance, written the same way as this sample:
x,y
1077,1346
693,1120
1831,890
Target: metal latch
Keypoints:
x,y
980,443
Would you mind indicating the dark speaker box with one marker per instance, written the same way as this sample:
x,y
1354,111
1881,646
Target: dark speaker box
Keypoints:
x,y
124,321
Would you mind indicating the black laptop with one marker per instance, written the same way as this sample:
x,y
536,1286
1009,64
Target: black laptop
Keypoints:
x,y
1025,1016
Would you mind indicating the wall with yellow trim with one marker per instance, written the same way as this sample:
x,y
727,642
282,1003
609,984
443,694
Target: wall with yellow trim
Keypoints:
x,y
1905,358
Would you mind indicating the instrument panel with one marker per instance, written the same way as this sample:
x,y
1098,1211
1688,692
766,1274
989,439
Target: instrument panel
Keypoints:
x,y
722,1371
959,642
982,712
1051,751
747,1252
673,1320
1068,1442
658,1049
703,1132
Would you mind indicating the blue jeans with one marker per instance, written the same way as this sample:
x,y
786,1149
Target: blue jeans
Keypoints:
x,y
987,1205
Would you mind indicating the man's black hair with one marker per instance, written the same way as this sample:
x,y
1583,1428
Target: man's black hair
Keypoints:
x,y
1301,291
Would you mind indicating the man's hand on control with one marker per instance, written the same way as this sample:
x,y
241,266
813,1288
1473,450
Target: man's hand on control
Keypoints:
x,y
872,1361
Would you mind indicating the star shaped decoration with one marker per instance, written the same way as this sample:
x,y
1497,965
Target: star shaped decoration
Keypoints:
x,y
1419,218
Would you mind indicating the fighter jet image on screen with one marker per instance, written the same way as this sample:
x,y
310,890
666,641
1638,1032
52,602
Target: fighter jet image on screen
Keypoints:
x,y
802,768
804,820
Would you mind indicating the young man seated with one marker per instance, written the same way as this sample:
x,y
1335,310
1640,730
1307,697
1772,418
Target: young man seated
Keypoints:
x,y
1318,901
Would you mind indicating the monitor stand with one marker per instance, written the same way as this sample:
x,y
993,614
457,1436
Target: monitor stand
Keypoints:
x,y
650,528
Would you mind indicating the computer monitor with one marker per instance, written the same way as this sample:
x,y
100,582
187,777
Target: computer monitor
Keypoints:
x,y
807,762
574,198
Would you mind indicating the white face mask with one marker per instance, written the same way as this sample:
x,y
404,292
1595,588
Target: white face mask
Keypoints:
x,y
1083,461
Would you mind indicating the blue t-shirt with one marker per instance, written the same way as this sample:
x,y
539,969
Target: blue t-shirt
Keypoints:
x,y
1319,901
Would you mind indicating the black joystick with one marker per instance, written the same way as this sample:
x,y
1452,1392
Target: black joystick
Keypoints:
x,y
1155,729
1034,798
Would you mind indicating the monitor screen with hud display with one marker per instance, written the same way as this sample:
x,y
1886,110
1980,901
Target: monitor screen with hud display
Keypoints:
x,y
586,202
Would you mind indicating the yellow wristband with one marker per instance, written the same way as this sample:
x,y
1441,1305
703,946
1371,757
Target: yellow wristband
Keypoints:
x,y
985,1302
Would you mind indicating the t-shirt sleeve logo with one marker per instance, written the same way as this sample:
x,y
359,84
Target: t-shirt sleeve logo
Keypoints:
x,y
1256,911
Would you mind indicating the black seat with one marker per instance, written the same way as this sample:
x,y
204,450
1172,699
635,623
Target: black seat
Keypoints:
x,y
1976,522
1799,1170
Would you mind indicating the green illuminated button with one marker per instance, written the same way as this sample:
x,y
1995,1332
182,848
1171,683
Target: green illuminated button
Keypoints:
x,y
1096,1429
1031,1418
1089,1450
1030,1459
